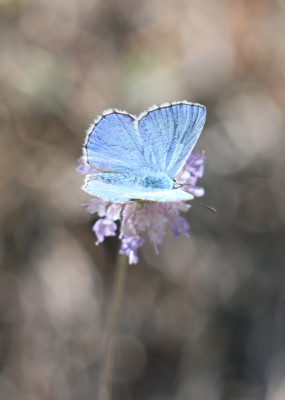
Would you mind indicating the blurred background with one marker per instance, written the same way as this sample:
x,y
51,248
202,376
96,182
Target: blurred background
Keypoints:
x,y
206,318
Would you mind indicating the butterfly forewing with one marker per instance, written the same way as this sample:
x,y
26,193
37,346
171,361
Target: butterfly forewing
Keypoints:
x,y
114,144
169,133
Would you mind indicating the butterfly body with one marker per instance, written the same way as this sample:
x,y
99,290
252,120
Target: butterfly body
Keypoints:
x,y
137,158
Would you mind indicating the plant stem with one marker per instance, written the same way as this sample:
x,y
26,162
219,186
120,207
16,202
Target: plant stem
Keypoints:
x,y
105,389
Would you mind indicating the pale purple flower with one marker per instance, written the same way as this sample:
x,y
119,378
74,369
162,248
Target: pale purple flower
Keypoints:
x,y
114,211
191,172
97,206
195,164
104,227
130,247
149,219
83,168
179,226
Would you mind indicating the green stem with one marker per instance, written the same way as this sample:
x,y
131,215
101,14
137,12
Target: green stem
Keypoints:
x,y
105,390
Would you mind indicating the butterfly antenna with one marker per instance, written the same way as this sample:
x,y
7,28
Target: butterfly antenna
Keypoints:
x,y
212,209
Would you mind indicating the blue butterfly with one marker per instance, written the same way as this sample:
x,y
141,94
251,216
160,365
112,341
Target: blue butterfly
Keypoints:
x,y
136,158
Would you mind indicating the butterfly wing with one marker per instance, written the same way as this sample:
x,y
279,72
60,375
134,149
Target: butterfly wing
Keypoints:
x,y
106,191
161,195
159,140
124,193
169,133
113,143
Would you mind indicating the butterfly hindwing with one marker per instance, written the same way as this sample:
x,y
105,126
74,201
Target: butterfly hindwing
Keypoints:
x,y
105,191
124,193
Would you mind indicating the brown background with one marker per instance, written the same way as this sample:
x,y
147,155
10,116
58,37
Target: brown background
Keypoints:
x,y
206,318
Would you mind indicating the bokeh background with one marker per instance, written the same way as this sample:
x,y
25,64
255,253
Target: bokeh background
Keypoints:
x,y
206,318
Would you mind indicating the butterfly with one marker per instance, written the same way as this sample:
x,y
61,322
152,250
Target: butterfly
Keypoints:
x,y
137,158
